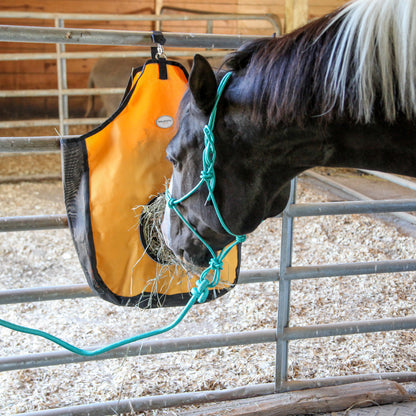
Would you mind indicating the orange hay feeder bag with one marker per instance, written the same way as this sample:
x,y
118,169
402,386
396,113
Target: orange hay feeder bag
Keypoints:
x,y
109,174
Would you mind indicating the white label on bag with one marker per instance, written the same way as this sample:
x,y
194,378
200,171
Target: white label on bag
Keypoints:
x,y
164,122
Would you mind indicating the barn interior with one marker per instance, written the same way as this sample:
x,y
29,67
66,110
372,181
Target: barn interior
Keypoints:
x,y
53,90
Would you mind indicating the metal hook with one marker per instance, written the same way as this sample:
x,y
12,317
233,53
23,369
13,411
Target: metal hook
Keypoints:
x,y
160,52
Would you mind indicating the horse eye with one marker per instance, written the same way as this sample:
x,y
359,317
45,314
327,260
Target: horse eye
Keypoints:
x,y
174,162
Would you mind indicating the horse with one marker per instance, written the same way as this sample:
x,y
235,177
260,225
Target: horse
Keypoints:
x,y
337,92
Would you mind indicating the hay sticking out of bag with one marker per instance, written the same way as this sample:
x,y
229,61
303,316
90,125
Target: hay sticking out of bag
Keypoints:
x,y
169,267
152,238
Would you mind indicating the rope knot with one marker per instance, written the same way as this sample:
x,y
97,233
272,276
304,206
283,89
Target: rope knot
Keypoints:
x,y
201,290
207,175
240,238
170,201
216,264
209,152
209,136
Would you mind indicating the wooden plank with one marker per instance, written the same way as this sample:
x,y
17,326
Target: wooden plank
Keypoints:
x,y
31,74
264,28
327,3
39,81
89,24
27,81
26,108
41,67
199,4
319,400
79,6
322,7
219,27
296,14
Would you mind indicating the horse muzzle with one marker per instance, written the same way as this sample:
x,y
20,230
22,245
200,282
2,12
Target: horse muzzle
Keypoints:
x,y
182,241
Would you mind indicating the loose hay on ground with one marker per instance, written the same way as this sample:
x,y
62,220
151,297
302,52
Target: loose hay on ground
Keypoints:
x,y
45,258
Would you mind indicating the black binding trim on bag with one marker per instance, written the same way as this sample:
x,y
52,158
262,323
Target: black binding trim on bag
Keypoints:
x,y
156,300
130,89
75,177
76,191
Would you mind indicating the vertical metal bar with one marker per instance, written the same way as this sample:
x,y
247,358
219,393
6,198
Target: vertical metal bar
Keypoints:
x,y
62,83
284,292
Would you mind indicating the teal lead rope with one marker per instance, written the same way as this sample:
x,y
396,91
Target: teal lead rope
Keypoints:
x,y
201,291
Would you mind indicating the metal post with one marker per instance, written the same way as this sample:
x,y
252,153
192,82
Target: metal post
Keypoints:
x,y
62,83
284,292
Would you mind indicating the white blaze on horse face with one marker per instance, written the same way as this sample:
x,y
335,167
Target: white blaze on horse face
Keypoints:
x,y
165,226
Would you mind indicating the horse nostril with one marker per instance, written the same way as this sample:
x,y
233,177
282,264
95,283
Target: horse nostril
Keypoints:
x,y
199,258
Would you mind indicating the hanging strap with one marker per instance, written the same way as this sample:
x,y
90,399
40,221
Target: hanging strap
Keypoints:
x,y
158,53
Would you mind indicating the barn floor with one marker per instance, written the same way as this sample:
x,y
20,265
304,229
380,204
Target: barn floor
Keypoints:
x,y
30,260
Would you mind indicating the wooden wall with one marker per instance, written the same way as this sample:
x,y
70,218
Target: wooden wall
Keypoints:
x,y
42,74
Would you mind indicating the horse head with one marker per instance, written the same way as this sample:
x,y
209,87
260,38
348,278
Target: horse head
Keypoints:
x,y
338,92
243,190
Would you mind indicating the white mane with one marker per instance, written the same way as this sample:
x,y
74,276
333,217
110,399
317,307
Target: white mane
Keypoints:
x,y
376,48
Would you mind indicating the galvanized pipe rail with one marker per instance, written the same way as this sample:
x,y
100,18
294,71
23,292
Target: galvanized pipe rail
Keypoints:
x,y
142,404
181,399
42,294
95,54
152,347
358,195
289,273
210,341
38,34
391,178
33,222
61,36
46,222
284,332
270,18
281,336
99,37
31,144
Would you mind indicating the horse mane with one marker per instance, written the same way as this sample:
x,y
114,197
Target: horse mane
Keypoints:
x,y
357,63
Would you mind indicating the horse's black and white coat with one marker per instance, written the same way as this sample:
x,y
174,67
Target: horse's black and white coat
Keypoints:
x,y
337,92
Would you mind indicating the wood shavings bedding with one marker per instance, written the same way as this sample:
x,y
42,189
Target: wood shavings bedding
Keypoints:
x,y
45,258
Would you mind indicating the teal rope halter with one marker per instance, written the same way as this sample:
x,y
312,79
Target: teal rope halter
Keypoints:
x,y
208,177
201,291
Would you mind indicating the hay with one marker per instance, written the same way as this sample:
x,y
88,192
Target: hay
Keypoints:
x,y
151,233
150,224
170,269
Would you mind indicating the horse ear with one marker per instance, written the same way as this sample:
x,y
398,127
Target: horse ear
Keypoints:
x,y
203,84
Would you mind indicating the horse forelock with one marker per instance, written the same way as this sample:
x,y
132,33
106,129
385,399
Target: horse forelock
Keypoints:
x,y
356,63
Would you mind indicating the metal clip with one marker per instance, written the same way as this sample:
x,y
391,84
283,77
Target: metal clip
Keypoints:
x,y
160,52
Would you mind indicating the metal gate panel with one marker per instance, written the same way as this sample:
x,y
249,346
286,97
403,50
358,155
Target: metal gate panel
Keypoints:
x,y
281,336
